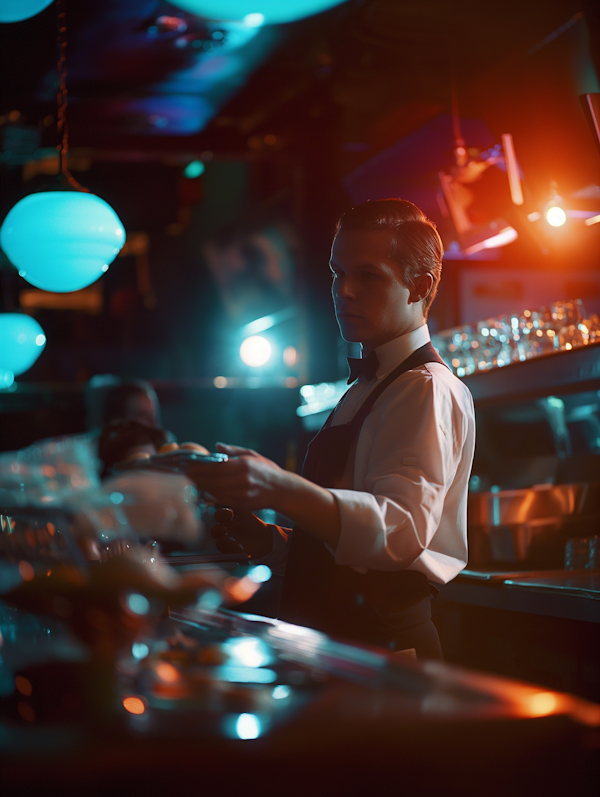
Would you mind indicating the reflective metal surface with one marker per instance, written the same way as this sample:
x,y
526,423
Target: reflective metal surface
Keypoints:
x,y
530,527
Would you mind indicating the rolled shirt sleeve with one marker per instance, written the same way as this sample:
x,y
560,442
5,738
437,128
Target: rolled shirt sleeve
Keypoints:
x,y
407,508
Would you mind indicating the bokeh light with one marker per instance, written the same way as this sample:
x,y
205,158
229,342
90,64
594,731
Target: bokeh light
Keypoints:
x,y
556,216
255,351
194,169
134,705
61,241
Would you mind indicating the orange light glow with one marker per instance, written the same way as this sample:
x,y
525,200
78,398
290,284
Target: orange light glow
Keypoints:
x,y
166,672
542,704
240,589
23,685
134,705
556,216
26,570
290,356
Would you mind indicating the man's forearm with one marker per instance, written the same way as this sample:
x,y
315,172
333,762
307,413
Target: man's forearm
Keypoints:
x,y
311,507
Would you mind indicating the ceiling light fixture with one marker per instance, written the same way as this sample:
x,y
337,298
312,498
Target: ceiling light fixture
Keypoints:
x,y
18,10
22,340
256,12
65,238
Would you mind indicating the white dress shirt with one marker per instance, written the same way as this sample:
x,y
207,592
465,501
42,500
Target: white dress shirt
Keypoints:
x,y
403,497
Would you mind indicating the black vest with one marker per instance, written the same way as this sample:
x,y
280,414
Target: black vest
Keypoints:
x,y
334,598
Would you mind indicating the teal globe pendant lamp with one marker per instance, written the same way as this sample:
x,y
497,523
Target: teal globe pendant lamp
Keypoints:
x,y
22,340
63,239
18,10
256,12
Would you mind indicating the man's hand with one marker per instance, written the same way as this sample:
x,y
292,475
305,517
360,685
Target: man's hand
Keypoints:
x,y
246,481
242,532
250,481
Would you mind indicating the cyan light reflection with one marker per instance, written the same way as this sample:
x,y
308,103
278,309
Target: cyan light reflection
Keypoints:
x,y
249,651
137,603
248,726
194,169
17,10
61,241
7,378
281,691
22,340
245,675
260,574
139,650
272,11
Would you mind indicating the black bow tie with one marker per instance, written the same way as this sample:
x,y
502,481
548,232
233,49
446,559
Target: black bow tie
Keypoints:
x,y
367,366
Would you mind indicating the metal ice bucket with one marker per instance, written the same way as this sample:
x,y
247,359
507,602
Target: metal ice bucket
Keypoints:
x,y
528,528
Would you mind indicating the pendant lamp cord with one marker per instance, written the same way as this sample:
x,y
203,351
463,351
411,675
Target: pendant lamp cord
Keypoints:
x,y
460,148
61,96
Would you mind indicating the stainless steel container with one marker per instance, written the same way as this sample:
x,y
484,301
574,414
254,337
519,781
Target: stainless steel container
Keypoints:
x,y
528,528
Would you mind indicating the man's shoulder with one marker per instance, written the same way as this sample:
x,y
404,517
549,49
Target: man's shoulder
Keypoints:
x,y
434,378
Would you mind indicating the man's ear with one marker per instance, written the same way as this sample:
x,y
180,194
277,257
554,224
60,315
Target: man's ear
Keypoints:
x,y
421,288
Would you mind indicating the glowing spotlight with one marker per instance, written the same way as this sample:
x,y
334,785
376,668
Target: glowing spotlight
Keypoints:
x,y
194,169
556,216
247,726
255,351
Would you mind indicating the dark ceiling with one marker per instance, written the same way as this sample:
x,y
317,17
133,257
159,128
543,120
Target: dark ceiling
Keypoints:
x,y
377,67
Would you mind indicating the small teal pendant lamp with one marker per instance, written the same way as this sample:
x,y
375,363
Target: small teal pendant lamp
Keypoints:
x,y
64,239
22,340
18,10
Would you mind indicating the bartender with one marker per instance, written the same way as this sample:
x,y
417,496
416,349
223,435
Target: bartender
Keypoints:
x,y
379,511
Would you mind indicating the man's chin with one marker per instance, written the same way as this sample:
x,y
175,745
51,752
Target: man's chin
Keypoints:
x,y
350,334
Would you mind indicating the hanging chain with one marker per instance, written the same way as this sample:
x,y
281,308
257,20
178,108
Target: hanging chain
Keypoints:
x,y
61,95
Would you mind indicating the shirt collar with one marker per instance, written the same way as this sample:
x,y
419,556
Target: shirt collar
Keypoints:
x,y
395,351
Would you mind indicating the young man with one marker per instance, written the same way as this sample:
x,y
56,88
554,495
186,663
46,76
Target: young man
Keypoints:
x,y
380,510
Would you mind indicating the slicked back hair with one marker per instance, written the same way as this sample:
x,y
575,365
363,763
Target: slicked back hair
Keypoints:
x,y
416,245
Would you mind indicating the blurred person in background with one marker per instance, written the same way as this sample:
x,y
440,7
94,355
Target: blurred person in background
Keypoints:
x,y
132,399
121,440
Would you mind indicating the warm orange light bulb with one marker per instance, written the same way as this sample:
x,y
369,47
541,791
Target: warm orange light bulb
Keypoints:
x,y
556,216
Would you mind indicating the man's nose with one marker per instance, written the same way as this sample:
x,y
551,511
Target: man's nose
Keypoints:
x,y
343,288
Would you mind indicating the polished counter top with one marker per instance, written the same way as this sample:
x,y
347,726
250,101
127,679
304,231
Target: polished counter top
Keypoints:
x,y
570,594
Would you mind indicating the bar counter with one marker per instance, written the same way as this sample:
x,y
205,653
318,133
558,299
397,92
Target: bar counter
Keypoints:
x,y
304,714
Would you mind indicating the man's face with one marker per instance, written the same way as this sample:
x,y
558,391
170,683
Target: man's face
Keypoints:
x,y
372,302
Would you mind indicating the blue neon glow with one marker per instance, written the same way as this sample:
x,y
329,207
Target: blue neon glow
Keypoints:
x,y
194,169
61,241
272,11
22,340
281,692
17,10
